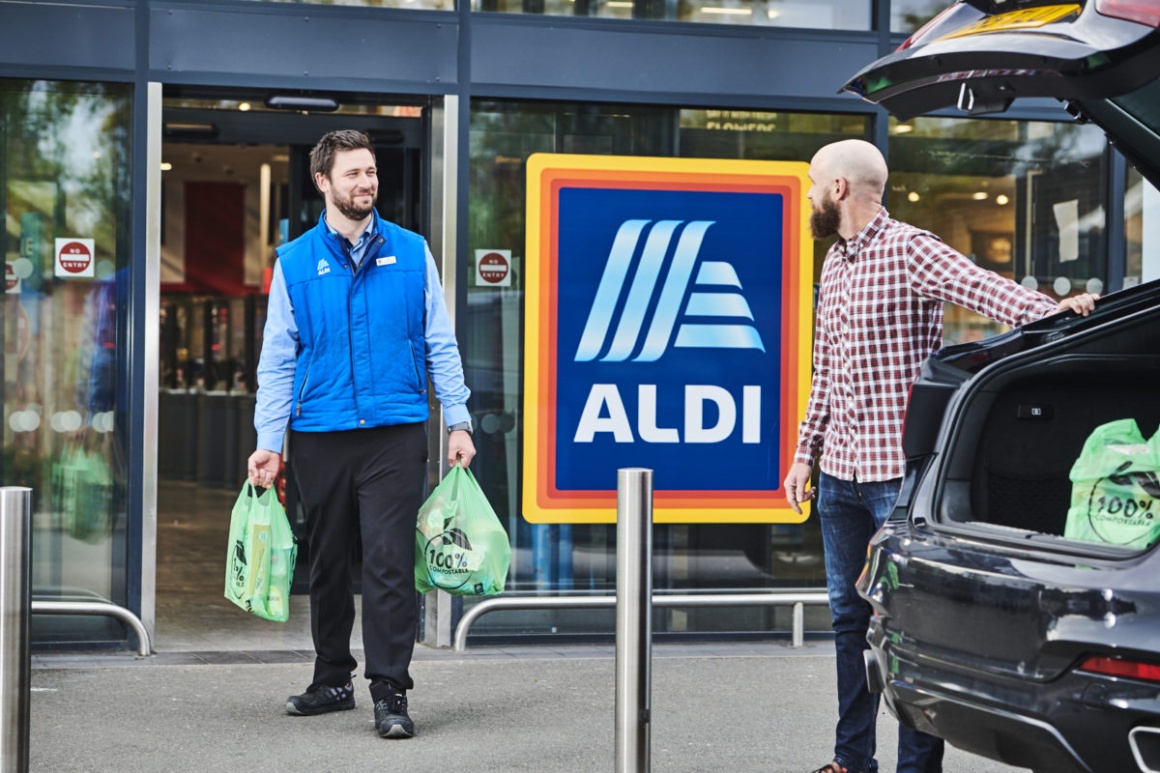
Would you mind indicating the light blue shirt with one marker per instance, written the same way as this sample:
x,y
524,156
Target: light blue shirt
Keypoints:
x,y
280,345
359,248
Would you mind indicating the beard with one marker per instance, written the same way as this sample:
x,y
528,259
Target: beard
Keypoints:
x,y
825,220
353,211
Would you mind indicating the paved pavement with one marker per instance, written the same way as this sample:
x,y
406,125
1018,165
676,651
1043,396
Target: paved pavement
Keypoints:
x,y
741,708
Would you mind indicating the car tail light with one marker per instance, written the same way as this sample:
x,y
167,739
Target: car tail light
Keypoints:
x,y
1140,11
1131,669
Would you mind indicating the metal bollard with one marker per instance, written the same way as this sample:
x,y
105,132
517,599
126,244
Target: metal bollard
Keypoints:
x,y
15,602
634,510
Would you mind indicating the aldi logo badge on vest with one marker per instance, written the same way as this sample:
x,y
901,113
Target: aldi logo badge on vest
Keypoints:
x,y
668,326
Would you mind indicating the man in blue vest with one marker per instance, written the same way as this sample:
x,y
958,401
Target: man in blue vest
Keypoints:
x,y
356,323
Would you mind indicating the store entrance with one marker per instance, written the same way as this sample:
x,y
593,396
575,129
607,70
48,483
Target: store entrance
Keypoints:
x,y
235,185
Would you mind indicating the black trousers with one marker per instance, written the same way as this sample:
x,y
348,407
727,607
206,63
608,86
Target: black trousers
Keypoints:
x,y
367,483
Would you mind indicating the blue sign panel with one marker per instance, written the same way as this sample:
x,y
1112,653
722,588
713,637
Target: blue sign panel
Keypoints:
x,y
669,347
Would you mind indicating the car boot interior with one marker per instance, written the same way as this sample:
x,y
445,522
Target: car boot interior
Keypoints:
x,y
1025,424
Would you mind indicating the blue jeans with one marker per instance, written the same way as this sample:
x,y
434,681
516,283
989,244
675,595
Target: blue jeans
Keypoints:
x,y
850,512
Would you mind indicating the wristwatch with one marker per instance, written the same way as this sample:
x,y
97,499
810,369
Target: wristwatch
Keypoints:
x,y
464,425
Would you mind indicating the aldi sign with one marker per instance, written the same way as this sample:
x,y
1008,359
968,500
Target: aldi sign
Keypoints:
x,y
668,326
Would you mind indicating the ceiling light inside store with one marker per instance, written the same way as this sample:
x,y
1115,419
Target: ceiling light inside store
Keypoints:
x,y
287,102
180,128
772,14
728,11
979,196
1001,199
166,166
618,4
903,128
913,196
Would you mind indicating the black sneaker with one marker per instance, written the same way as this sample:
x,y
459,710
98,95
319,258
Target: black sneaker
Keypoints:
x,y
391,718
320,698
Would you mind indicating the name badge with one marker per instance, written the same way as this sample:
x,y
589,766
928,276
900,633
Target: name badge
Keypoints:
x,y
385,261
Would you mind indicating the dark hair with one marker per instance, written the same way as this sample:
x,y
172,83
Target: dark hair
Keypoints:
x,y
322,156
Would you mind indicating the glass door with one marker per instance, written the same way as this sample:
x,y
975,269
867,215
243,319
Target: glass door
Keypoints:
x,y
64,189
236,184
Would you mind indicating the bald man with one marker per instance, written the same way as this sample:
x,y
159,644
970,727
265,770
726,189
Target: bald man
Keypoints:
x,y
880,314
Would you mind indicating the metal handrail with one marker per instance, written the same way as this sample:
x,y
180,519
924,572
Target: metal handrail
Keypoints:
x,y
99,608
797,598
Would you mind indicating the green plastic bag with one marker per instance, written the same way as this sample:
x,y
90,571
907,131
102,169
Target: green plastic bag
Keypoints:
x,y
83,489
460,545
1115,487
261,555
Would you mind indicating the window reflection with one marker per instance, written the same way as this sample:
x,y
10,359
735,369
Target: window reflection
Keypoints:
x,y
1021,198
65,181
769,136
581,558
415,5
909,15
1141,230
817,14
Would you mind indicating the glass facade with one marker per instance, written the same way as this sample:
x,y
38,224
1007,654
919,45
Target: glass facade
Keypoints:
x,y
1023,198
580,558
413,5
1026,198
815,14
66,186
909,15
1141,230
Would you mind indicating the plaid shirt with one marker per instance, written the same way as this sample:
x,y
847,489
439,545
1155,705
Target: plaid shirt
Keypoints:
x,y
880,314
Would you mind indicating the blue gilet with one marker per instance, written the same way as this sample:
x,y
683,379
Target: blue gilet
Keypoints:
x,y
362,351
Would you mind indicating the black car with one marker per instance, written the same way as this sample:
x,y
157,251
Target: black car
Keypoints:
x,y
1004,620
